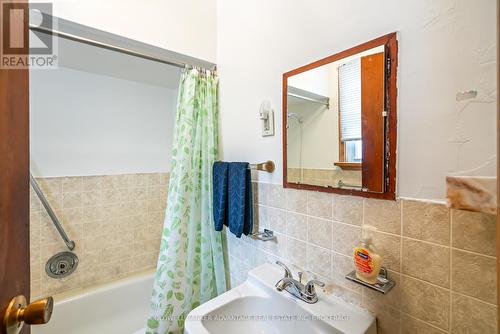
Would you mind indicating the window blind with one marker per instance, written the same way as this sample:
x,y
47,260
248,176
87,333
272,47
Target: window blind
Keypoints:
x,y
350,100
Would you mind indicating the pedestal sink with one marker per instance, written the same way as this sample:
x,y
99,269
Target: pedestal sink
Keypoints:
x,y
257,307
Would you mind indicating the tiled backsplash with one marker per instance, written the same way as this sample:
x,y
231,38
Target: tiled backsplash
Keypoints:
x,y
443,261
115,220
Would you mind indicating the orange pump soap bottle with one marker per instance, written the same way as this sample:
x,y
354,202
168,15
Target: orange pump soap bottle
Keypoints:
x,y
367,260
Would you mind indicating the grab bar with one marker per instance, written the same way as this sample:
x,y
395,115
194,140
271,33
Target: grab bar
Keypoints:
x,y
69,243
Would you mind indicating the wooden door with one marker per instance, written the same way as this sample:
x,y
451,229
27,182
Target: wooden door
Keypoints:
x,y
372,121
14,183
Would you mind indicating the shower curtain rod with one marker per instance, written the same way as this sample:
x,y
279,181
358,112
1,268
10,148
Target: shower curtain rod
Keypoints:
x,y
104,46
91,36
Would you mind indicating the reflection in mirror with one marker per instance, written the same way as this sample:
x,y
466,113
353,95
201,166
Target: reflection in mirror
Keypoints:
x,y
335,123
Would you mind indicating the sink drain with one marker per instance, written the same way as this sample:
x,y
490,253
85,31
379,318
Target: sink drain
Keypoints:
x,y
61,265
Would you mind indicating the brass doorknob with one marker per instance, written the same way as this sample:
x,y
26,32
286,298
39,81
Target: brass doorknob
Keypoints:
x,y
18,313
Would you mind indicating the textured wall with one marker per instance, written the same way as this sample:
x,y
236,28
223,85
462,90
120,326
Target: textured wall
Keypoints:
x,y
445,47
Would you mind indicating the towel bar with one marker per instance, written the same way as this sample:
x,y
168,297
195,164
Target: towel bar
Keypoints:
x,y
267,166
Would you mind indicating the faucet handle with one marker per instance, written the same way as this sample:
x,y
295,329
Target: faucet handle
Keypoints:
x,y
310,286
288,273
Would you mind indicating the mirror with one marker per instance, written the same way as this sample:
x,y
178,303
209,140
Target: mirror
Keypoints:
x,y
339,118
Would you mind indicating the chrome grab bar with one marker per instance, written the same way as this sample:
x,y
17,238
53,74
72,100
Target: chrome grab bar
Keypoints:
x,y
69,243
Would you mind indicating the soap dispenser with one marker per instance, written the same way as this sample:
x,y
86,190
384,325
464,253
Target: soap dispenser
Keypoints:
x,y
366,258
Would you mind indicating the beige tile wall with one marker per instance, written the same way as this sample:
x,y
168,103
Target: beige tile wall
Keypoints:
x,y
322,177
442,261
115,220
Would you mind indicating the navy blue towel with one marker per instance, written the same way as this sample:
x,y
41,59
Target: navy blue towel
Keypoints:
x,y
219,179
240,199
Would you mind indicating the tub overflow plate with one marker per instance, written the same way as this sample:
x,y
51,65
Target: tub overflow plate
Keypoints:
x,y
61,265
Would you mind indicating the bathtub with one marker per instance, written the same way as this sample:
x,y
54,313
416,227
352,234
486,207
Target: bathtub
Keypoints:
x,y
121,307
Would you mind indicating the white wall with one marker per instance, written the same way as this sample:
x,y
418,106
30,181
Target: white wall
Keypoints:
x,y
187,26
318,150
315,81
318,132
89,124
445,47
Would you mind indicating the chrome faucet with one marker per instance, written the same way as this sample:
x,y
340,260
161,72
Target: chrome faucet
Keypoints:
x,y
306,293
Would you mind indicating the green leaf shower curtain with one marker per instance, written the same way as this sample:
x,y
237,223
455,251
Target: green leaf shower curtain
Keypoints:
x,y
190,266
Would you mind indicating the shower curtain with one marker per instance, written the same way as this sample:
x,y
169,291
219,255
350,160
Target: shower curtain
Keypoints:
x,y
190,266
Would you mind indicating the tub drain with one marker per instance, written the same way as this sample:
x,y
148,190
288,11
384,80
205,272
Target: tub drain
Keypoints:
x,y
61,265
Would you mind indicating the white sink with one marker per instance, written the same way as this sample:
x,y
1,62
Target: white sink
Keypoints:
x,y
257,307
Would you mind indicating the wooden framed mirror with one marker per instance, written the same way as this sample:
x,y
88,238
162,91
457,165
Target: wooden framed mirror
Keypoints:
x,y
340,122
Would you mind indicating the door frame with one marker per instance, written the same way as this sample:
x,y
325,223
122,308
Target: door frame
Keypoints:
x,y
14,182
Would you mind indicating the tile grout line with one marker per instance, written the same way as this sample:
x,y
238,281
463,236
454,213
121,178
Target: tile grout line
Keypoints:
x,y
401,254
449,289
473,253
450,319
332,236
363,292
424,281
473,298
425,322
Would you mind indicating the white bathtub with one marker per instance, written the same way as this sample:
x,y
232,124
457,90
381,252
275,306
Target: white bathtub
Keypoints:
x,y
117,308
